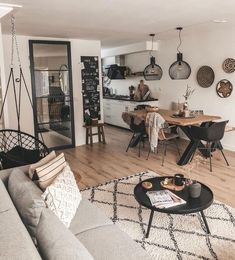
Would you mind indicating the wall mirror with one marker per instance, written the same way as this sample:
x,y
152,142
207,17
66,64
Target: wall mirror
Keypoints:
x,y
51,75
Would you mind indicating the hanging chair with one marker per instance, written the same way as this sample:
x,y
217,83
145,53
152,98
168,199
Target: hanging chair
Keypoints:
x,y
18,148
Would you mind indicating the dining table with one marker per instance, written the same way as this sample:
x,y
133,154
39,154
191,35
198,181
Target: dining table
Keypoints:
x,y
184,123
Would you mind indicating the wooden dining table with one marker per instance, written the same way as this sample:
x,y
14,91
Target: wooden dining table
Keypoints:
x,y
185,125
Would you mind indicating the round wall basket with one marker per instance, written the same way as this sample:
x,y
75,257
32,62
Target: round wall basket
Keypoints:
x,y
224,88
205,76
229,65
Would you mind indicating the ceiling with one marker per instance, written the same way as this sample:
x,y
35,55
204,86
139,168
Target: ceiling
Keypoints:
x,y
116,22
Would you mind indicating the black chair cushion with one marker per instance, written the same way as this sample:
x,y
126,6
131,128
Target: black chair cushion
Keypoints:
x,y
137,128
19,156
214,132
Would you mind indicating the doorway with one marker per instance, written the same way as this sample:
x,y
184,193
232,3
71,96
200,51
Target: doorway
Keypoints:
x,y
52,91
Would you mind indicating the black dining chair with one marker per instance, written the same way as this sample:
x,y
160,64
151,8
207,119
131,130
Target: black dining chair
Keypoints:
x,y
139,134
212,135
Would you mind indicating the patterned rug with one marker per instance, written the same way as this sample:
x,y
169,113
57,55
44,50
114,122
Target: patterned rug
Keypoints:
x,y
171,236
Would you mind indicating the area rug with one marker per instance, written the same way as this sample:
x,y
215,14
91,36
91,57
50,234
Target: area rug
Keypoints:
x,y
171,236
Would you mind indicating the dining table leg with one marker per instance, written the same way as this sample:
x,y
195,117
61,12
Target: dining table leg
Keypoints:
x,y
191,148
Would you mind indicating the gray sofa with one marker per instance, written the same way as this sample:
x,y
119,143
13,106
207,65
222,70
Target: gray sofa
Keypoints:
x,y
91,234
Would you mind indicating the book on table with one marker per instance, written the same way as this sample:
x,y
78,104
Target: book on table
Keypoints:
x,y
164,199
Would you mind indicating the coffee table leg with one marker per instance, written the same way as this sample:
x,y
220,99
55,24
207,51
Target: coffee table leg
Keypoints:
x,y
150,223
205,221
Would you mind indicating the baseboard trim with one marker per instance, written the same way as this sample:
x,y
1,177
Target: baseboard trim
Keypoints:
x,y
225,146
229,147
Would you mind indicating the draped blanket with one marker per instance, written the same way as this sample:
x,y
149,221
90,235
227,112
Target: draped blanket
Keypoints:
x,y
154,123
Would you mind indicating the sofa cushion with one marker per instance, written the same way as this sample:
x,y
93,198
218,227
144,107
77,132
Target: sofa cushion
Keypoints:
x,y
5,200
63,196
4,174
88,216
56,242
110,243
33,167
16,242
27,199
47,173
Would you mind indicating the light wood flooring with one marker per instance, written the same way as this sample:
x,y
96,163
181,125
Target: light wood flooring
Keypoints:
x,y
101,163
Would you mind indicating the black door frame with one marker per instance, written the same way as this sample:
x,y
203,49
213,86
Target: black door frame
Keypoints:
x,y
31,57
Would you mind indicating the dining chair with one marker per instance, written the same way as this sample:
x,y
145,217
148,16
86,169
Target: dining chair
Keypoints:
x,y
212,135
139,135
165,138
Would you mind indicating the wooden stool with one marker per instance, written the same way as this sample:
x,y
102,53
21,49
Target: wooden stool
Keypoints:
x,y
90,134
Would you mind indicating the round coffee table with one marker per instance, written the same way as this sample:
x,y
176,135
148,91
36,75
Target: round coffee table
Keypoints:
x,y
191,206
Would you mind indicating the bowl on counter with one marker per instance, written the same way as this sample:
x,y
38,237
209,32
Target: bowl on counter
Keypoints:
x,y
152,109
140,107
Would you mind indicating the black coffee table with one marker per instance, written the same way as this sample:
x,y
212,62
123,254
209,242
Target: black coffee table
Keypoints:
x,y
191,206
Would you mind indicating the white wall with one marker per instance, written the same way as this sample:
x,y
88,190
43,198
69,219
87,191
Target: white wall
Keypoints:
x,y
207,48
2,74
78,48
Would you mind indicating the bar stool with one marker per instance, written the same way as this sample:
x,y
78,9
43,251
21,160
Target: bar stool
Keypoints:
x,y
90,134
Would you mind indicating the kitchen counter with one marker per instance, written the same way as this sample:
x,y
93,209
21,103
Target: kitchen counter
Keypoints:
x,y
127,98
114,106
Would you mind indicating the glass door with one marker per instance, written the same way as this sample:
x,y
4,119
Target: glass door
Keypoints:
x,y
51,75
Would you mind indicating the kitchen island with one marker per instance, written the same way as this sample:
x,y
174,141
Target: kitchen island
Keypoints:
x,y
114,106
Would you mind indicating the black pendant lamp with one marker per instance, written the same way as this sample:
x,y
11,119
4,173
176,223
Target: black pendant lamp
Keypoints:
x,y
179,69
152,71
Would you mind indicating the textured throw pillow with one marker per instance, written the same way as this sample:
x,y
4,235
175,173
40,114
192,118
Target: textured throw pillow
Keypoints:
x,y
56,242
26,197
63,196
47,159
49,171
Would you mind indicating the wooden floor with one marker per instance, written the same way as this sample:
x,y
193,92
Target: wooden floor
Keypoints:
x,y
101,163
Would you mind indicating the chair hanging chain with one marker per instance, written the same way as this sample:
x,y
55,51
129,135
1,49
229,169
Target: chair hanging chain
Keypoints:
x,y
19,81
14,43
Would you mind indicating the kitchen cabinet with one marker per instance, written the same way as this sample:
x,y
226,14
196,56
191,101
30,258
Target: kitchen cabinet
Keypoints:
x,y
113,110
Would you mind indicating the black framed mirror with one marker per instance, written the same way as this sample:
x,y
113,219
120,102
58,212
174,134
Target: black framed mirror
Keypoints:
x,y
52,92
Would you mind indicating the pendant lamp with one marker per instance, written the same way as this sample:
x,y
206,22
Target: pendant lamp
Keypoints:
x,y
152,71
179,69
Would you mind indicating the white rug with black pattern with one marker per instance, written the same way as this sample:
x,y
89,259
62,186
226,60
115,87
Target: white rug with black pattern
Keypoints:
x,y
171,236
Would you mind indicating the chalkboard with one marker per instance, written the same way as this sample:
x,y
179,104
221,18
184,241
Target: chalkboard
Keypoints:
x,y
90,86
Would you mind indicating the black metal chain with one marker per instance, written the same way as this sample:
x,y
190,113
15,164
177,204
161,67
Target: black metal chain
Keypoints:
x,y
180,40
19,80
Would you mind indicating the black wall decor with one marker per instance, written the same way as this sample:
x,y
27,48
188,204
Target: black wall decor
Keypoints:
x,y
90,86
205,76
224,88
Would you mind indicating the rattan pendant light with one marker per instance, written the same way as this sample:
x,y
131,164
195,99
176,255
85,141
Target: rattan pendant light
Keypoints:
x,y
179,69
152,71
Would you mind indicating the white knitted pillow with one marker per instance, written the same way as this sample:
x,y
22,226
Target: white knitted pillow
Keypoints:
x,y
63,196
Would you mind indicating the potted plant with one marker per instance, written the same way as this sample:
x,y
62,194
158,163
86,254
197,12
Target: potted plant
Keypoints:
x,y
189,92
87,119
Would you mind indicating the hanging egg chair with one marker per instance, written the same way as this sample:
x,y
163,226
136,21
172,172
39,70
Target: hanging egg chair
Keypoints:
x,y
18,148
179,69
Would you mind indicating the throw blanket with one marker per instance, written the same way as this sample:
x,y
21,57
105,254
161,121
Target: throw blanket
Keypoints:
x,y
154,122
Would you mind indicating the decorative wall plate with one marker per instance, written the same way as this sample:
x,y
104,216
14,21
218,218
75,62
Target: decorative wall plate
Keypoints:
x,y
229,65
205,76
224,88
